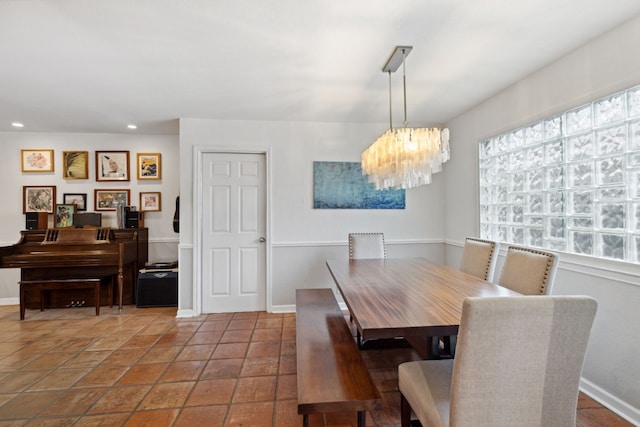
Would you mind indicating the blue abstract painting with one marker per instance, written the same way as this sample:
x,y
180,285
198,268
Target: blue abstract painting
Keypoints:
x,y
341,185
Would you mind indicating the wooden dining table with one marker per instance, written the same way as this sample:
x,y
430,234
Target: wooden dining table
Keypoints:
x,y
411,298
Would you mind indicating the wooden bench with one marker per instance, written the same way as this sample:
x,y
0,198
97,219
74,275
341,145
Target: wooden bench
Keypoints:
x,y
332,377
60,284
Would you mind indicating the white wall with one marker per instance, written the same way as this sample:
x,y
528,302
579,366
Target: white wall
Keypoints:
x,y
302,238
603,66
163,241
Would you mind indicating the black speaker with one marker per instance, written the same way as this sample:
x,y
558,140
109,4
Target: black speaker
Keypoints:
x,y
157,289
36,220
131,219
87,218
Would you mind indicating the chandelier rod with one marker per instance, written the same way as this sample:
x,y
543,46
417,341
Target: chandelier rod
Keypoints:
x,y
390,119
404,84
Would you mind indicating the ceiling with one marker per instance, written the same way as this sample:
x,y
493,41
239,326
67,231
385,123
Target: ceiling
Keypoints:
x,y
96,65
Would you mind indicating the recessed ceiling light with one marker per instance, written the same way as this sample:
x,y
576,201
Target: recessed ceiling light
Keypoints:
x,y
17,125
132,126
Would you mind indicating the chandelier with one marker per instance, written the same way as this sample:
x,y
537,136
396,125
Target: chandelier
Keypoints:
x,y
404,157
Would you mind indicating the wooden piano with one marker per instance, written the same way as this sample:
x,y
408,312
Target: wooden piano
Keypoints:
x,y
72,253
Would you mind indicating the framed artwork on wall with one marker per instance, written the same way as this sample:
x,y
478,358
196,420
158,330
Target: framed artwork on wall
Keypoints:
x,y
64,215
36,160
149,165
38,198
108,200
75,164
150,202
341,185
78,199
112,166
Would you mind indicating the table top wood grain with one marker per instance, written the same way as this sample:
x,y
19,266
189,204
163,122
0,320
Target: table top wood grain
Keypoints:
x,y
411,296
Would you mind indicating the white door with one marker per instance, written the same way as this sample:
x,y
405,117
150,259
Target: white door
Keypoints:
x,y
233,232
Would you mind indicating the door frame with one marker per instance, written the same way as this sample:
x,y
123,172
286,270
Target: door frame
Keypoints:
x,y
198,153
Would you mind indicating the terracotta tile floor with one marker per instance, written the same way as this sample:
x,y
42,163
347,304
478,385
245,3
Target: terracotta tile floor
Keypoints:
x,y
65,367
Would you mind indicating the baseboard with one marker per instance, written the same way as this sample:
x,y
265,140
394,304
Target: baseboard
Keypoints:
x,y
616,405
10,301
185,313
288,308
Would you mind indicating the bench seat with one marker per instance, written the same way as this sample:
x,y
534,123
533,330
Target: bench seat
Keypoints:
x,y
331,374
59,284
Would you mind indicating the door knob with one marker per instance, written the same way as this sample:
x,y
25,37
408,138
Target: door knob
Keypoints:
x,y
262,240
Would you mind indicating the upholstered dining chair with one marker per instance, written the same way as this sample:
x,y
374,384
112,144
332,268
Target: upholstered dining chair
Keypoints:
x,y
529,271
366,246
531,380
479,257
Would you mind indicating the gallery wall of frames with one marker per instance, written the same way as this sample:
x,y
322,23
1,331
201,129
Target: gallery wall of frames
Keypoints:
x,y
115,166
65,173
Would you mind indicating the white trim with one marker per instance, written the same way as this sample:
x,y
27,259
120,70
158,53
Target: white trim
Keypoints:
x,y
309,244
10,301
198,152
186,313
608,400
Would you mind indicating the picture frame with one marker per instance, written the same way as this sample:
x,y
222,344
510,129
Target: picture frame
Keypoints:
x,y
63,215
109,199
149,166
150,201
36,160
112,166
38,198
78,199
75,164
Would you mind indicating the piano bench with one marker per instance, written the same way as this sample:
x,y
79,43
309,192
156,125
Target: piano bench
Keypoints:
x,y
58,284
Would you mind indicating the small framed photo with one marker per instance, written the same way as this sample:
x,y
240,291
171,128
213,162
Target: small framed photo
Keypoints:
x,y
64,215
149,165
37,160
150,202
38,199
78,199
75,164
109,200
112,166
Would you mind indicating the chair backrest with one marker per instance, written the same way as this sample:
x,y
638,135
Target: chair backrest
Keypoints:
x,y
479,257
519,360
529,271
366,246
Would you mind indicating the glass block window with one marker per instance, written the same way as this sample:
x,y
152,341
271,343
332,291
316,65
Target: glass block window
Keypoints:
x,y
568,183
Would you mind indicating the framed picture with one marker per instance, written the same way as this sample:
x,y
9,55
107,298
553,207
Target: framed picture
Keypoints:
x,y
150,202
75,164
149,165
78,199
112,166
38,199
37,160
108,200
64,215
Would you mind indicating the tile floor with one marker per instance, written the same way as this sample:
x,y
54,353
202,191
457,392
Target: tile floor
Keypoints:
x,y
68,367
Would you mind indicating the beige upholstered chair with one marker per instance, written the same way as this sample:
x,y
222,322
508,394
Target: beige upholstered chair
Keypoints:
x,y
366,246
529,271
479,258
531,380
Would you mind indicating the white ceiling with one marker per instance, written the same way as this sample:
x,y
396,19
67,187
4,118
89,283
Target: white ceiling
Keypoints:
x,y
97,65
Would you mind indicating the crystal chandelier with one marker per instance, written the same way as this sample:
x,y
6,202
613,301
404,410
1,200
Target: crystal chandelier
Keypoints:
x,y
404,157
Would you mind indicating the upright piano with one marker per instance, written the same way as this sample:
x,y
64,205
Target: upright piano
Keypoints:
x,y
73,253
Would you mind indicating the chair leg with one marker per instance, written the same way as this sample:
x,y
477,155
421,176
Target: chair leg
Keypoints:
x,y
405,412
450,344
